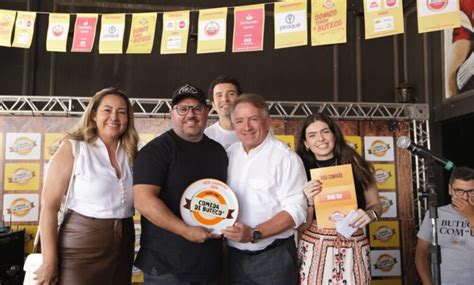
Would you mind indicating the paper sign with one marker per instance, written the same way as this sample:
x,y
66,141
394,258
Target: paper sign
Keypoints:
x,y
58,29
24,146
328,22
385,175
248,28
212,30
290,24
385,262
21,207
7,20
338,196
287,139
51,144
111,33
436,15
142,33
383,18
389,204
24,29
378,148
175,32
84,32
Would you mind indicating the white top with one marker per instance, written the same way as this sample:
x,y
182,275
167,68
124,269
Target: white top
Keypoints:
x,y
267,180
97,191
221,135
456,241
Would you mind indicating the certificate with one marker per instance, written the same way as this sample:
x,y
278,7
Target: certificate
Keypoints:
x,y
337,197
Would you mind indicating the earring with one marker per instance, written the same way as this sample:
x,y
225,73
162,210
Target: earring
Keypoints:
x,y
307,148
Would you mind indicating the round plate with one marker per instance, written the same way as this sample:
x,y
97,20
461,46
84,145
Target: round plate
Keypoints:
x,y
209,203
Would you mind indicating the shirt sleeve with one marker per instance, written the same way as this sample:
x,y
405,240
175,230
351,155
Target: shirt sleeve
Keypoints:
x,y
290,194
425,229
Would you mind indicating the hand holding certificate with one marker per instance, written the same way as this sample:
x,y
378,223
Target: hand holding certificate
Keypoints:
x,y
337,197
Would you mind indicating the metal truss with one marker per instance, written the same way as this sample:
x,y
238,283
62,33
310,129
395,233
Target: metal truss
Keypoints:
x,y
417,113
75,106
420,134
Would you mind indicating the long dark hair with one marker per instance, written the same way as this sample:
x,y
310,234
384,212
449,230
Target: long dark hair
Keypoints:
x,y
342,151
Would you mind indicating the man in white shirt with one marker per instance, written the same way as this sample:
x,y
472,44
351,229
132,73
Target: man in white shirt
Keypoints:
x,y
268,179
222,92
455,231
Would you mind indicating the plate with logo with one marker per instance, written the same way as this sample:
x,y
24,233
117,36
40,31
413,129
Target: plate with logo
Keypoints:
x,y
209,203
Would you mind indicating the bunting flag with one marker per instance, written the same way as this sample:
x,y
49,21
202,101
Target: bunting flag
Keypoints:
x,y
175,32
436,15
328,22
24,29
383,18
291,27
142,33
84,32
212,30
7,20
58,29
249,22
111,33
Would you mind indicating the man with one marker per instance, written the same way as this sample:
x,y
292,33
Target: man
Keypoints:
x,y
171,251
222,92
455,233
268,179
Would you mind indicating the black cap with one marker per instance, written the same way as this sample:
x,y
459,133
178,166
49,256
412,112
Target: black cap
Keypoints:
x,y
188,90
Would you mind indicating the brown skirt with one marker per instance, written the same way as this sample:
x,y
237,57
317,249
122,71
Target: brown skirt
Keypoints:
x,y
95,251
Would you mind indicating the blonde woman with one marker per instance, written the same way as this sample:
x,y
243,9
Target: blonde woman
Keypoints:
x,y
95,242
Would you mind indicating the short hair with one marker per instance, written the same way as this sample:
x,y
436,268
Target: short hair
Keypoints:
x,y
86,129
462,173
256,100
223,79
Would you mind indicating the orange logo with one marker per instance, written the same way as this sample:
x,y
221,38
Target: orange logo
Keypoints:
x,y
386,203
381,175
20,207
385,262
379,148
23,146
383,233
21,176
209,207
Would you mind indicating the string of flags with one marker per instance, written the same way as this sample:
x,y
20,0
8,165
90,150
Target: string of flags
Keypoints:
x,y
327,25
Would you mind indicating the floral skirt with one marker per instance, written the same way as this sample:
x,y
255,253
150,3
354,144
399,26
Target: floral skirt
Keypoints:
x,y
326,257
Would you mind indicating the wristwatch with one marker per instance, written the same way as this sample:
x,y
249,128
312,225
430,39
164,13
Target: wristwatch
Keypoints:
x,y
256,235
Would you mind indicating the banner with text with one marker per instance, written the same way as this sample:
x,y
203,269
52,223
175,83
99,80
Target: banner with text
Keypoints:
x,y
441,15
328,22
291,27
383,18
175,32
7,20
84,32
249,22
24,29
212,30
111,33
142,33
58,29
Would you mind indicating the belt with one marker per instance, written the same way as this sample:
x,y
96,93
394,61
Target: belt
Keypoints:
x,y
276,243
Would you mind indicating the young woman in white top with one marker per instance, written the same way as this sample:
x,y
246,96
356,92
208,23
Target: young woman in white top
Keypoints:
x,y
96,240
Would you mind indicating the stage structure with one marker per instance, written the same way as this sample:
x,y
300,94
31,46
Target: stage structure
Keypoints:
x,y
371,128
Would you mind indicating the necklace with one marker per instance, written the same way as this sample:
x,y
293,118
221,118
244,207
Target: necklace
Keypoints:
x,y
326,163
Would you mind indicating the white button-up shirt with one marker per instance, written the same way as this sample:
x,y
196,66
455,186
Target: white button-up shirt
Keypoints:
x,y
97,191
267,180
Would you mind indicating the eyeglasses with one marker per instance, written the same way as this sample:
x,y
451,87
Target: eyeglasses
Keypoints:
x,y
460,192
184,109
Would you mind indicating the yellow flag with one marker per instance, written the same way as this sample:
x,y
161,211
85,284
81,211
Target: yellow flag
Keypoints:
x,y
291,28
175,32
436,15
142,33
7,19
58,30
212,30
24,29
111,33
383,18
328,22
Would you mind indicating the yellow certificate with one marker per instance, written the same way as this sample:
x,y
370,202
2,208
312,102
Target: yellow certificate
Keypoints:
x,y
338,196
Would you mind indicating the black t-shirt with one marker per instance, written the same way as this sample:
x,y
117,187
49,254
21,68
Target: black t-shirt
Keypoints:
x,y
173,164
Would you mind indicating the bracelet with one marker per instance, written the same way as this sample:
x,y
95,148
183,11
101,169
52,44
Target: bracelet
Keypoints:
x,y
309,205
376,216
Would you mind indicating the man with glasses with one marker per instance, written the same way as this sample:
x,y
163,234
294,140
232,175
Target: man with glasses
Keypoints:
x,y
455,233
171,251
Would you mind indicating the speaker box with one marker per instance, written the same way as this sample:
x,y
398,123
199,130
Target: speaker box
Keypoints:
x,y
12,256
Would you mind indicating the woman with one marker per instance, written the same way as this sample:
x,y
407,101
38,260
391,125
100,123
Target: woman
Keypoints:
x,y
95,242
325,256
